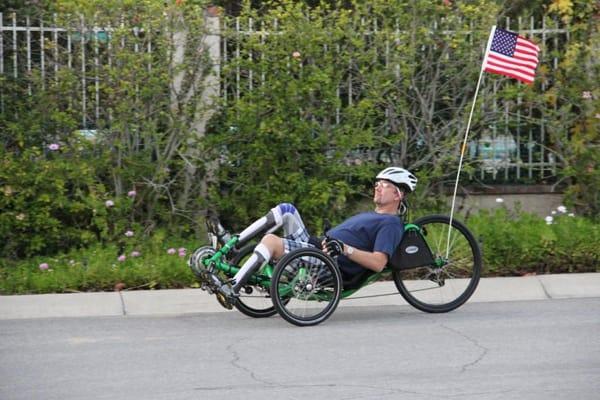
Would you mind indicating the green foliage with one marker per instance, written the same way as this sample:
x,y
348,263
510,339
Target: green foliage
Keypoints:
x,y
512,245
141,140
98,268
52,199
326,97
324,90
516,244
576,122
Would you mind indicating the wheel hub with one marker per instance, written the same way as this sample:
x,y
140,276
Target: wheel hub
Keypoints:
x,y
304,286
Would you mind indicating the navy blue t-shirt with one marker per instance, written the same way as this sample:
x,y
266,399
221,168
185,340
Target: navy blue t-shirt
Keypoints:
x,y
368,231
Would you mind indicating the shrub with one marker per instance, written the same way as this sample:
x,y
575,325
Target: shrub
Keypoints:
x,y
50,200
516,244
102,268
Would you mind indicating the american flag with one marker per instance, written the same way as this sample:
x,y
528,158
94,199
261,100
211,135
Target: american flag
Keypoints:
x,y
511,55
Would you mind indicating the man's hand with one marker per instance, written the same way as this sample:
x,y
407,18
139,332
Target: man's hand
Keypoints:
x,y
333,247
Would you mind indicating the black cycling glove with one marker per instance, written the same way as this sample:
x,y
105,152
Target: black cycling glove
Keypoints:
x,y
334,247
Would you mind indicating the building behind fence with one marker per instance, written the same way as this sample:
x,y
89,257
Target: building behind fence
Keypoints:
x,y
509,151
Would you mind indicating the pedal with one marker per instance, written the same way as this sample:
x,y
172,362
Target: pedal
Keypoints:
x,y
223,301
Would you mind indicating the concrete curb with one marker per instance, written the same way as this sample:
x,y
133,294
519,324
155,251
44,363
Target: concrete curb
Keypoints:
x,y
194,301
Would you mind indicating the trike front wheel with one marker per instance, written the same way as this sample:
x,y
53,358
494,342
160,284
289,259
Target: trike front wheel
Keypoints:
x,y
451,279
306,287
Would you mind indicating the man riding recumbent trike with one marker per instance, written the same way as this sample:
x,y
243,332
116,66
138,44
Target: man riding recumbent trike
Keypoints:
x,y
435,266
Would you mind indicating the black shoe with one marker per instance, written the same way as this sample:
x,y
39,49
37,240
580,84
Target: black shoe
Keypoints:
x,y
226,296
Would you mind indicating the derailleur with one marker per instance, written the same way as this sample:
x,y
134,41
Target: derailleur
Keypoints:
x,y
206,274
435,275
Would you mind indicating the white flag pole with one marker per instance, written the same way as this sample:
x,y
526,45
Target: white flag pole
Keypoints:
x,y
464,145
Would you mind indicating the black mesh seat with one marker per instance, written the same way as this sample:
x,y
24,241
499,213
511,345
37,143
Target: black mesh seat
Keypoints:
x,y
357,280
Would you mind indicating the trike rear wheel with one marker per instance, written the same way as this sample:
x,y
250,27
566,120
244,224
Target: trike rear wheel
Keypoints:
x,y
452,278
306,287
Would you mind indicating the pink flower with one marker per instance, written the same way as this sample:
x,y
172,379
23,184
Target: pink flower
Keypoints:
x,y
109,203
296,54
586,94
131,193
122,258
135,253
182,252
171,251
54,146
129,233
44,266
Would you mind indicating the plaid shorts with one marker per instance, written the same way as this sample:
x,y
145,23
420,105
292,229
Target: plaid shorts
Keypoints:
x,y
291,245
297,240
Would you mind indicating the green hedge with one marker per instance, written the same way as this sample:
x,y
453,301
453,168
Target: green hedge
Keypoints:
x,y
517,244
157,264
513,244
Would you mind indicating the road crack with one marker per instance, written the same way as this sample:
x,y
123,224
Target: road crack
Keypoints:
x,y
484,350
235,362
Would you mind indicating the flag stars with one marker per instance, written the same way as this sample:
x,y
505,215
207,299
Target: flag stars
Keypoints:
x,y
504,42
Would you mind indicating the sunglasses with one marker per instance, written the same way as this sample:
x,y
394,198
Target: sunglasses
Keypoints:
x,y
383,184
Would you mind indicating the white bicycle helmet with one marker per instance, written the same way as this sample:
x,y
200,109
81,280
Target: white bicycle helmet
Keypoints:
x,y
400,177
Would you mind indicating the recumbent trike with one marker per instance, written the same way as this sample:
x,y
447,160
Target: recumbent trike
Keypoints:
x,y
306,285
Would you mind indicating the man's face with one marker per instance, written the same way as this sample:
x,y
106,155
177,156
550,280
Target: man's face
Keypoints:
x,y
385,192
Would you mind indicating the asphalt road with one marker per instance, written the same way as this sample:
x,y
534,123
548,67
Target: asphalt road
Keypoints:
x,y
508,350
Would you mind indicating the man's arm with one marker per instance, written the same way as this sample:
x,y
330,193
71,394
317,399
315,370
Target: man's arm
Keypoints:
x,y
375,261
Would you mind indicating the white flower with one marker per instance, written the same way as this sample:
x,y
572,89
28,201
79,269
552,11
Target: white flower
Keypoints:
x,y
109,203
562,209
499,200
571,214
549,219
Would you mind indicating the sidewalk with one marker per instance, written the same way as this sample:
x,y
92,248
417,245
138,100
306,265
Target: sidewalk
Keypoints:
x,y
193,301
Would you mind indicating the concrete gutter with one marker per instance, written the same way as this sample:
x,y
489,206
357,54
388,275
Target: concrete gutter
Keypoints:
x,y
193,301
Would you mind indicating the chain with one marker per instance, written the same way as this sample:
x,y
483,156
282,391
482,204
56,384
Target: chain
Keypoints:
x,y
373,295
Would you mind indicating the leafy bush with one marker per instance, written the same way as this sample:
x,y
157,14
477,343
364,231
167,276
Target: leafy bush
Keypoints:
x,y
516,244
143,131
313,102
304,109
152,265
50,200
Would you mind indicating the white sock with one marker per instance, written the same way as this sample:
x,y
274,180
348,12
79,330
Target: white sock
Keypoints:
x,y
260,256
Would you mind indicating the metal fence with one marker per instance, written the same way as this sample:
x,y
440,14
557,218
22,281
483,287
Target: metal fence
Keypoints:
x,y
43,48
513,149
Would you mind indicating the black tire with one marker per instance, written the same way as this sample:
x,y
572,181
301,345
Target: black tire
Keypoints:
x,y
256,304
302,281
445,286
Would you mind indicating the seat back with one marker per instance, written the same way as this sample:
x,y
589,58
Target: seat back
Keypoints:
x,y
413,250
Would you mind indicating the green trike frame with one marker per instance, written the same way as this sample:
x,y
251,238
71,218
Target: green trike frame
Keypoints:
x,y
436,269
